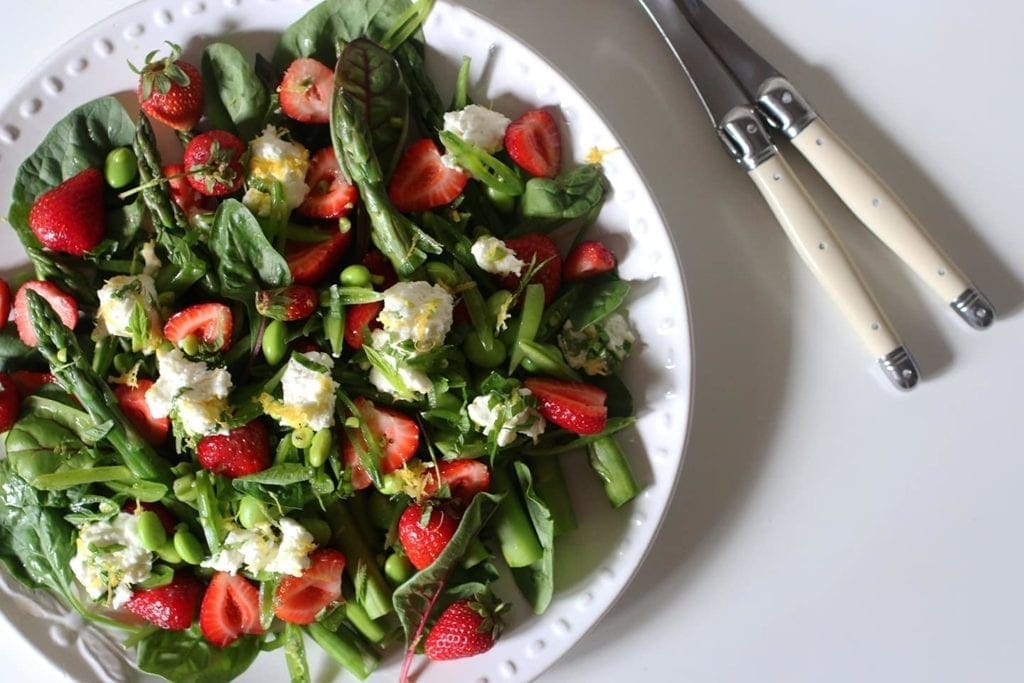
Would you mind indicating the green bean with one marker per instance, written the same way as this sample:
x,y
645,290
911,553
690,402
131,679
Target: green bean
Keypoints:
x,y
356,275
188,547
398,569
475,352
120,167
275,341
320,447
150,529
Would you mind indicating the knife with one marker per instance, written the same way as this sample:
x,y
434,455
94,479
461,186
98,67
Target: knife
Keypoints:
x,y
860,188
745,138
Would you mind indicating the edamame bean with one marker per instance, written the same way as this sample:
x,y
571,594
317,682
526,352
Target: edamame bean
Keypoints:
x,y
190,345
121,167
441,274
356,275
320,529
320,448
251,512
302,437
481,357
152,534
398,569
168,554
502,201
275,341
188,547
498,301
184,488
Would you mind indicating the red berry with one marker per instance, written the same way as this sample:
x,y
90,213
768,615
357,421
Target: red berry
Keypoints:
x,y
310,263
69,218
533,142
586,260
359,320
132,402
380,267
331,195
464,629
299,599
421,181
63,303
294,302
170,90
213,161
396,434
182,192
171,607
212,323
424,538
464,478
10,402
230,608
243,450
5,302
305,91
537,248
575,406
31,381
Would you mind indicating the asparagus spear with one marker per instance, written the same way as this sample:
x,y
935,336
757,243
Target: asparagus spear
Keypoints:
x,y
69,365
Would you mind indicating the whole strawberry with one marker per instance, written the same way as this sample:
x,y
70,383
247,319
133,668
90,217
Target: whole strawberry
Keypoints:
x,y
424,536
244,450
294,302
69,217
171,607
213,162
464,629
170,90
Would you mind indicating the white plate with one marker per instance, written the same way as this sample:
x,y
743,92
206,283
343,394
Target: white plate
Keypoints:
x,y
594,563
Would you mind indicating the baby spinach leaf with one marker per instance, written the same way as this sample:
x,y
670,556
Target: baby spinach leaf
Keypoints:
x,y
414,598
244,258
537,582
370,75
574,194
187,657
326,27
235,97
13,352
599,301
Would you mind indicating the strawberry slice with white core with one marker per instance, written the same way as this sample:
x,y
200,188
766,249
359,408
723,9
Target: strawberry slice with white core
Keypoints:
x,y
575,406
210,323
305,91
533,142
230,609
299,599
132,402
62,302
331,195
421,181
396,434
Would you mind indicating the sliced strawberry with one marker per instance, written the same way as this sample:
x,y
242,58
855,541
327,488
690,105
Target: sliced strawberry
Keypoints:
x,y
294,302
211,323
182,192
421,181
63,303
380,267
537,248
213,161
10,402
359,320
424,538
464,478
170,90
69,218
310,262
171,607
305,91
31,381
397,435
331,195
132,402
230,608
533,142
575,406
167,518
243,450
299,599
5,302
586,260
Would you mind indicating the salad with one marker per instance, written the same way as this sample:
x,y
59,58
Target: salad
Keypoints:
x,y
304,378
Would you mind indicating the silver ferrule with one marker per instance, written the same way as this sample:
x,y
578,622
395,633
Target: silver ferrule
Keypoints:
x,y
745,137
900,368
974,308
784,108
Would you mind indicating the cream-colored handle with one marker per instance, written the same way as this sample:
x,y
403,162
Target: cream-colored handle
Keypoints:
x,y
879,209
814,240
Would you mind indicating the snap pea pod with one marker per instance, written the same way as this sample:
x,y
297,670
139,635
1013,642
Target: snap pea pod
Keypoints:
x,y
511,523
361,565
460,98
482,166
610,464
342,646
69,365
529,322
546,359
549,483
295,654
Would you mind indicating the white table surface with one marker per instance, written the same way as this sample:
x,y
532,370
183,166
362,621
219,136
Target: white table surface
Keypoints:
x,y
826,527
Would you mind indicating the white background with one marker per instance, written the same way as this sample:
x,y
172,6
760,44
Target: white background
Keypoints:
x,y
826,528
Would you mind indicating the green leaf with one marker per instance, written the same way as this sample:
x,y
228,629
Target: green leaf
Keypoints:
x,y
235,97
574,194
187,657
244,259
13,353
598,301
414,597
369,74
537,582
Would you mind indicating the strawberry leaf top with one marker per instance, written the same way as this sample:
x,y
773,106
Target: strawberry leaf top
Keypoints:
x,y
161,74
